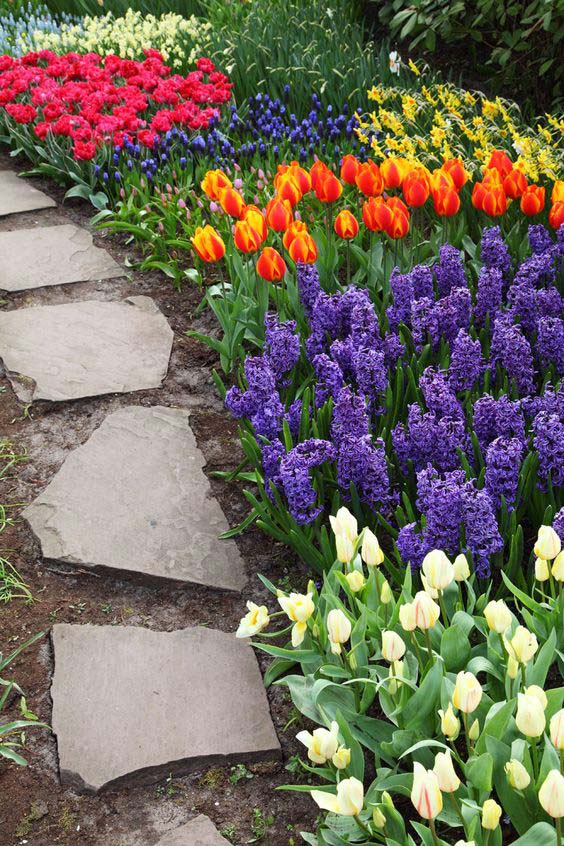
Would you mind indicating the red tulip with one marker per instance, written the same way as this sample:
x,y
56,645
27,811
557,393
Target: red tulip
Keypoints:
x,y
377,216
416,188
208,243
515,183
328,188
303,249
231,201
446,202
270,265
532,200
349,169
501,162
279,214
346,225
246,238
369,179
556,214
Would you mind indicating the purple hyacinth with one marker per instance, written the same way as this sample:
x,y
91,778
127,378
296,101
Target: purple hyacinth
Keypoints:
x,y
438,396
425,323
371,376
329,379
522,298
308,286
489,293
426,439
393,349
271,458
449,271
493,250
294,416
260,403
537,270
482,532
325,323
550,343
343,352
549,302
466,363
294,477
411,546
503,462
498,418
281,346
558,524
539,238
512,350
363,323
440,500
402,292
548,441
362,462
350,416
454,312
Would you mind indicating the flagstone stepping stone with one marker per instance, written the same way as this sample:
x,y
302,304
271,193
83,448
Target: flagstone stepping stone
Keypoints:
x,y
134,500
198,832
52,255
132,706
84,349
17,195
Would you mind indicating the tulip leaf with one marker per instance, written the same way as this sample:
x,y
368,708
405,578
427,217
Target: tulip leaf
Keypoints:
x,y
513,804
544,661
426,699
496,725
479,772
356,766
455,648
541,834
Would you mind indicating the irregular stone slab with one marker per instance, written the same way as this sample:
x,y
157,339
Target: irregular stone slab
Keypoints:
x,y
134,499
131,705
85,349
198,832
17,195
52,255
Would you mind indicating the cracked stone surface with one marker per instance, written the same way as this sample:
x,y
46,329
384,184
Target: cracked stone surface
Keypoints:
x,y
198,832
99,512
132,706
52,255
17,195
85,349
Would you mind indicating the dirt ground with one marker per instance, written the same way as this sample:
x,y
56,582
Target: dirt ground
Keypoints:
x,y
34,808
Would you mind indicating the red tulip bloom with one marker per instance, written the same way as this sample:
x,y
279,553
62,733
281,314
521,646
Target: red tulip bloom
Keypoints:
x,y
515,183
455,168
349,169
532,200
253,216
303,249
297,227
246,238
416,188
446,202
279,214
501,162
328,188
270,265
399,224
369,180
377,216
231,202
208,243
346,225
556,214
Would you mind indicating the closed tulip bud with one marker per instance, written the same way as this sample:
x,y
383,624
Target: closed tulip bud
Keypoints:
x,y
342,758
557,194
446,202
551,794
386,594
395,673
491,813
371,551
377,216
558,567
348,802
426,794
532,200
393,170
213,182
255,218
208,243
517,775
369,179
445,772
231,202
349,169
557,729
344,523
467,692
270,265
430,591
450,724
393,647
299,608
338,628
498,616
322,744
474,730
530,717
538,693
254,622
246,239
512,667
461,568
303,249
279,214
548,543
355,580
416,187
378,818
345,549
297,227
458,173
523,645
556,215
398,227
327,187
289,189
426,610
387,800
542,570
346,225
407,617
514,184
438,570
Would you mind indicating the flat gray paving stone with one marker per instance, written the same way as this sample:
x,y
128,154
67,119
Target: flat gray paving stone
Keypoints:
x,y
134,499
52,255
132,706
17,195
85,349
198,832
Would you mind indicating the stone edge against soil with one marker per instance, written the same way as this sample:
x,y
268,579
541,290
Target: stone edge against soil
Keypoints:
x,y
198,832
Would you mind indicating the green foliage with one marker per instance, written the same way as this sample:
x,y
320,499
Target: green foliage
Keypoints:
x,y
12,733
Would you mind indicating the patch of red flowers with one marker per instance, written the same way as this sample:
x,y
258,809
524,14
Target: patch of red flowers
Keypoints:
x,y
95,100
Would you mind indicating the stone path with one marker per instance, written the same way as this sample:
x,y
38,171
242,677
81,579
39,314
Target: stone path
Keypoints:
x,y
130,705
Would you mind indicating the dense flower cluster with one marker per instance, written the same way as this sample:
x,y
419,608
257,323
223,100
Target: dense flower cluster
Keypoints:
x,y
19,31
93,100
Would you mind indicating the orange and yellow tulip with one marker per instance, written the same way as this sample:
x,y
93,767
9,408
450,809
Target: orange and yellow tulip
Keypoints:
x,y
557,195
455,168
369,179
213,182
246,238
399,224
303,249
393,171
489,198
254,216
346,225
270,265
208,243
556,214
297,227
501,162
515,183
532,200
377,216
289,189
327,187
231,201
446,202
416,188
279,214
349,169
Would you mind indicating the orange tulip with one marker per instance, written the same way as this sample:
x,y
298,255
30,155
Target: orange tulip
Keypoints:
x,y
456,169
501,162
399,205
289,189
254,216
556,214
328,188
297,227
278,214
416,188
213,182
490,199
515,183
446,202
301,176
399,224
346,225
231,201
349,169
208,243
246,238
270,265
377,216
492,176
532,200
557,194
369,179
441,179
393,171
317,169
303,249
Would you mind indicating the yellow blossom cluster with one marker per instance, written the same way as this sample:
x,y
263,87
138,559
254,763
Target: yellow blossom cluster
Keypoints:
x,y
180,40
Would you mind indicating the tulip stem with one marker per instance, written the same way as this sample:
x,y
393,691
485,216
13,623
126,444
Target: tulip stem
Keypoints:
x,y
434,832
523,676
486,837
429,647
535,756
562,761
458,810
558,832
364,828
348,262
500,636
443,607
418,651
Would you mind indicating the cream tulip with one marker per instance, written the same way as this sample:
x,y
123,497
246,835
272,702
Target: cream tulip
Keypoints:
x,y
371,551
551,794
450,724
395,673
386,594
467,692
322,744
538,693
498,616
299,607
254,622
438,570
430,591
342,758
548,543
491,813
338,628
378,818
426,794
557,729
426,610
523,645
445,772
517,775
345,548
465,843
348,802
461,568
407,617
474,730
344,523
393,647
355,580
542,570
530,717
558,567
512,667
